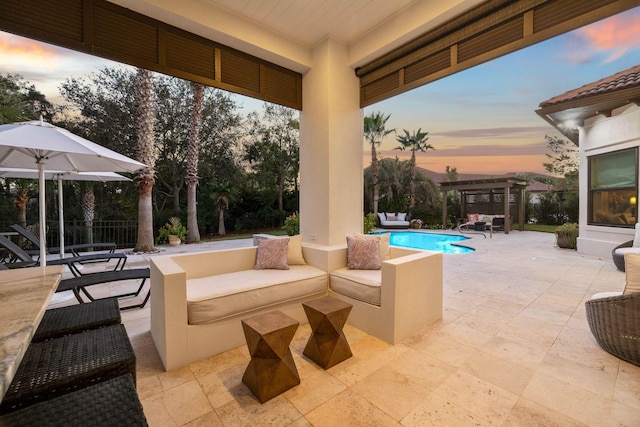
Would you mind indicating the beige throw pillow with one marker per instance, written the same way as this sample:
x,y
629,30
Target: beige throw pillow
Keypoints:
x,y
295,256
384,239
272,254
363,254
632,271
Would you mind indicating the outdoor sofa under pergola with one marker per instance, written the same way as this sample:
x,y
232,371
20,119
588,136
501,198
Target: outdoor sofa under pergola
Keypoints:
x,y
491,196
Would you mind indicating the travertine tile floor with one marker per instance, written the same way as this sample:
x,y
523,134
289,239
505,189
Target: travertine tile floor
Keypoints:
x,y
512,349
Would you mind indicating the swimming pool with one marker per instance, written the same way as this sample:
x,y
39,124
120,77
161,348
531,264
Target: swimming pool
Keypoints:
x,y
444,243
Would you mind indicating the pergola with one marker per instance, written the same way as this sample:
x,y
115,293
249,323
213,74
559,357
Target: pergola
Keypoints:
x,y
489,187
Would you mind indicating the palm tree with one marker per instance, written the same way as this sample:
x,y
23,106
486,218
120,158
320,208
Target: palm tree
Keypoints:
x,y
193,150
145,178
414,142
88,210
374,132
223,204
20,201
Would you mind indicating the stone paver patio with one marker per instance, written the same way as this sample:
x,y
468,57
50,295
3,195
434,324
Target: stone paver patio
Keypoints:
x,y
513,349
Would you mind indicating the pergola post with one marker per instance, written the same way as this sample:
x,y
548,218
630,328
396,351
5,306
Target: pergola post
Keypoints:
x,y
507,213
444,210
521,210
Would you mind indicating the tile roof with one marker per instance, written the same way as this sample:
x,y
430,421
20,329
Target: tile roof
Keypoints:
x,y
623,80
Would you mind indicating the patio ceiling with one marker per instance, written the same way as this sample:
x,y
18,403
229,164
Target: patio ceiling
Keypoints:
x,y
263,48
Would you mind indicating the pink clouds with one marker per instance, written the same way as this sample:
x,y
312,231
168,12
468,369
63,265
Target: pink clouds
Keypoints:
x,y
616,35
14,45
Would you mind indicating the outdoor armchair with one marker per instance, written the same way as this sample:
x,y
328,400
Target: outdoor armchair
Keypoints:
x,y
615,324
618,252
32,241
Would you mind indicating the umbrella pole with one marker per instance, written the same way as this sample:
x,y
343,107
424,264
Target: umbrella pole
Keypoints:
x,y
43,216
61,216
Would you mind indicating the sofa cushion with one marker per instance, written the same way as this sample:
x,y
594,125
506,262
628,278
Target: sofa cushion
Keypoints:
x,y
636,239
362,285
473,217
294,254
363,253
272,253
402,216
224,295
632,272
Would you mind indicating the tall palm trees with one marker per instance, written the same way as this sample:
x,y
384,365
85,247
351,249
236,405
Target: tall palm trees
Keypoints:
x,y
414,142
145,178
193,151
374,132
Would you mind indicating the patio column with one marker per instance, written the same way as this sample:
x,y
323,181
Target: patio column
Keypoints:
x,y
331,148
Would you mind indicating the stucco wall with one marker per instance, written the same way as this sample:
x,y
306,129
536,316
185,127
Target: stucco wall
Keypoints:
x,y
603,135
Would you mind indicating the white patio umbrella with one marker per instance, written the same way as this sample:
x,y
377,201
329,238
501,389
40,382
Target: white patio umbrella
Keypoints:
x,y
62,176
37,144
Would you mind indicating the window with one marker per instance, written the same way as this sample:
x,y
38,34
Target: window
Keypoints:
x,y
613,188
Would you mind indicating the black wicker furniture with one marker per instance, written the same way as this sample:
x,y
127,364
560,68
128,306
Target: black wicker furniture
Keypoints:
x,y
615,323
58,322
618,258
112,402
62,365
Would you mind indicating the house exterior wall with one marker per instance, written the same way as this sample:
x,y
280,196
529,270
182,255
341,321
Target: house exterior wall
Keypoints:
x,y
601,135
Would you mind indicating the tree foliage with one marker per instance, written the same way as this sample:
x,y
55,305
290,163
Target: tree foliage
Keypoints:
x,y
564,159
417,141
375,129
395,176
273,149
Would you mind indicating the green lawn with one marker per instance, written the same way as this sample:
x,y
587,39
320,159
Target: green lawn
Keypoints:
x,y
540,227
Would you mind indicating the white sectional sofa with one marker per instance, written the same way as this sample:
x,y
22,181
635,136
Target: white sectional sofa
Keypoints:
x,y
393,220
396,301
199,299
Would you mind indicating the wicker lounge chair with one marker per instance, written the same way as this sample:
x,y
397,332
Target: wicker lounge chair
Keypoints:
x,y
33,244
615,323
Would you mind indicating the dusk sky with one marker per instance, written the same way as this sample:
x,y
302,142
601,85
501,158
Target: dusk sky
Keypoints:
x,y
481,120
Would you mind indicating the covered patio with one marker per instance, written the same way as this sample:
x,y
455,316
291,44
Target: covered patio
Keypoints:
x,y
504,196
514,348
328,60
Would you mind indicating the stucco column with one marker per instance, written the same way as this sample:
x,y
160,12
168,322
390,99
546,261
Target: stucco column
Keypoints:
x,y
331,148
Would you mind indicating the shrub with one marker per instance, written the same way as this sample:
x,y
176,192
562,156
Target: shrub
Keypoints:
x,y
567,235
173,227
292,224
369,223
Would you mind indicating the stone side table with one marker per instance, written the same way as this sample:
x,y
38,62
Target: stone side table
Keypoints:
x,y
327,345
271,370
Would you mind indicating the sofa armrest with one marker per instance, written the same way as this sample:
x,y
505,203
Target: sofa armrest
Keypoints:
x,y
169,317
212,263
412,289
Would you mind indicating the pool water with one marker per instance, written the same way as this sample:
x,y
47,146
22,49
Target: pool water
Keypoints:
x,y
445,243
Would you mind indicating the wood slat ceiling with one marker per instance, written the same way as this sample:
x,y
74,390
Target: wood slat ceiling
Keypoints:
x,y
101,28
495,28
